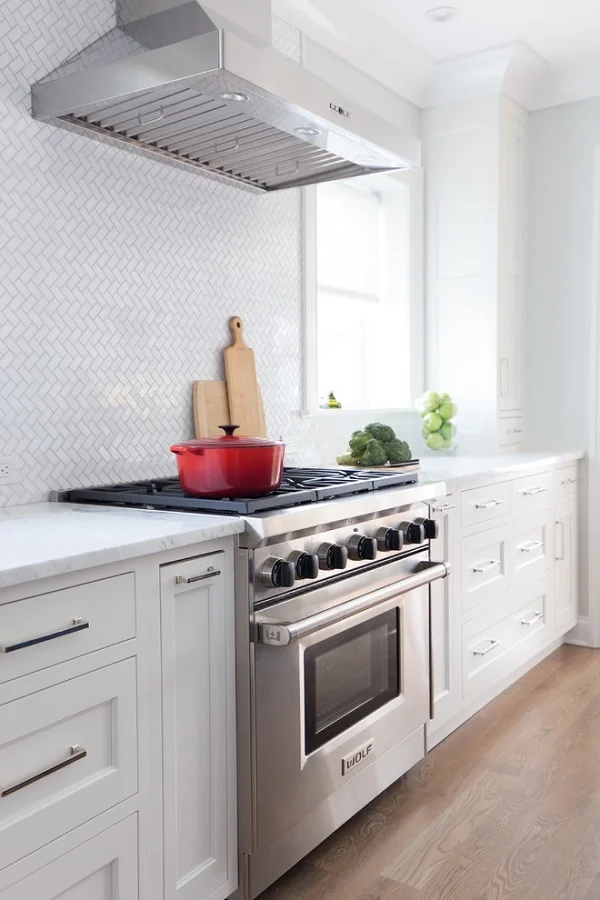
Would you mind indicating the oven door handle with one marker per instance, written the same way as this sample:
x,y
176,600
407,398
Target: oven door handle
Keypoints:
x,y
280,634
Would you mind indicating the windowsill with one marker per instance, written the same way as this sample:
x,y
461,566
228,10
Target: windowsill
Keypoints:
x,y
319,413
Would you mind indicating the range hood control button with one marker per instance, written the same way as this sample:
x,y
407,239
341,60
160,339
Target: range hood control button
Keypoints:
x,y
332,556
389,540
413,532
432,529
278,573
306,565
361,547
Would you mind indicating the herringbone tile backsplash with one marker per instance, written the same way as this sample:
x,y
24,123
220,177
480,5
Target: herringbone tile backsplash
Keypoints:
x,y
118,275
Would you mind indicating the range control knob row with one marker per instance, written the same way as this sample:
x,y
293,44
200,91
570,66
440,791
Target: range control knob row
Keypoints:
x,y
389,540
332,556
432,528
361,547
306,565
278,573
414,533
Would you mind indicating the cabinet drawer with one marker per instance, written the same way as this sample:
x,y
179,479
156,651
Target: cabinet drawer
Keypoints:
x,y
511,432
67,753
483,504
493,645
51,628
565,482
484,563
530,547
531,493
103,868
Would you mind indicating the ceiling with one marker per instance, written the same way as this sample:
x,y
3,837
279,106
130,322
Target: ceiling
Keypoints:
x,y
563,34
554,46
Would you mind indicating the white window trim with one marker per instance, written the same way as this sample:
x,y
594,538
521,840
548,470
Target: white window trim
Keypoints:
x,y
414,178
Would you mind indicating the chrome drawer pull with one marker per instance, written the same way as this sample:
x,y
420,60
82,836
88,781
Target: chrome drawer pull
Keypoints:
x,y
210,573
77,625
75,754
569,481
529,546
485,567
444,508
488,504
491,646
537,617
531,492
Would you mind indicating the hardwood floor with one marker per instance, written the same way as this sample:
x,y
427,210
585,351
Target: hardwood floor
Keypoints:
x,y
506,807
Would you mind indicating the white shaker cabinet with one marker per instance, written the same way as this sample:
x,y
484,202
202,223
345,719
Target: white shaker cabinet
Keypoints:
x,y
475,158
565,555
444,661
198,714
104,868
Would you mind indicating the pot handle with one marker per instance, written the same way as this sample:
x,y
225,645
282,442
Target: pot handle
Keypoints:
x,y
229,429
181,451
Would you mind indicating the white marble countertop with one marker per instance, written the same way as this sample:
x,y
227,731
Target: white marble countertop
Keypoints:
x,y
459,471
46,539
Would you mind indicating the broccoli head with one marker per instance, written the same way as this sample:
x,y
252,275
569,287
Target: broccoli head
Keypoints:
x,y
374,454
358,443
346,460
397,451
380,432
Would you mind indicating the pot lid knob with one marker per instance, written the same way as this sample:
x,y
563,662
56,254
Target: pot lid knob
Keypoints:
x,y
229,429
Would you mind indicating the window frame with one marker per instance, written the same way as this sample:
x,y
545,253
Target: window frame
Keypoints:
x,y
414,179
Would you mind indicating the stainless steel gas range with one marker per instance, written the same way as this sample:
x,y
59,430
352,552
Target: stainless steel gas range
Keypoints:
x,y
333,649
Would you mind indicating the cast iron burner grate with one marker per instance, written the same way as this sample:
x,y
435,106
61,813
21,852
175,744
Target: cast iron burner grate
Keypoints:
x,y
299,486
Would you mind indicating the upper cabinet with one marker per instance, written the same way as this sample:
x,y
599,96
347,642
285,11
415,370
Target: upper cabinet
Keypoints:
x,y
475,163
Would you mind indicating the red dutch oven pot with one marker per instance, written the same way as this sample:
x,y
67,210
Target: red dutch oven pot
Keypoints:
x,y
229,466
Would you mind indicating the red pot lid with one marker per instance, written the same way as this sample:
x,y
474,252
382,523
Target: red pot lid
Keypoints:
x,y
229,439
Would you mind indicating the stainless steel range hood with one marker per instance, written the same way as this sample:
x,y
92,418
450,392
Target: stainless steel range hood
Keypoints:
x,y
175,81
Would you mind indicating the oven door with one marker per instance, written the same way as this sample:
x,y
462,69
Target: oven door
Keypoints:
x,y
341,678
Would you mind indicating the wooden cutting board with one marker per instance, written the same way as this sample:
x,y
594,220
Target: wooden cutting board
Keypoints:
x,y
245,407
211,409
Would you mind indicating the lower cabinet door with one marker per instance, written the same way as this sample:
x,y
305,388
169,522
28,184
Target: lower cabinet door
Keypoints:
x,y
565,554
199,761
445,661
104,868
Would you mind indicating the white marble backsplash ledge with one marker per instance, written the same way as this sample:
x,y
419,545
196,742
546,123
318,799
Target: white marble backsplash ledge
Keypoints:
x,y
42,540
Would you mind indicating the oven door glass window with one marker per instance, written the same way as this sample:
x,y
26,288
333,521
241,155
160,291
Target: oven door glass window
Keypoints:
x,y
349,676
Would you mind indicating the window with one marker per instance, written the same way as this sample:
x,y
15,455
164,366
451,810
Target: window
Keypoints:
x,y
363,312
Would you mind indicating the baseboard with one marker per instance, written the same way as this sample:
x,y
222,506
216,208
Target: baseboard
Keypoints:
x,y
581,635
474,704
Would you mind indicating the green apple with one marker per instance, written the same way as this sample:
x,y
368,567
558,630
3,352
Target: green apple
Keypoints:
x,y
432,422
428,402
447,444
447,409
444,397
448,431
435,441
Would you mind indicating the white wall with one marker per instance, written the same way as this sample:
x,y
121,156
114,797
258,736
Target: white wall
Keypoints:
x,y
559,296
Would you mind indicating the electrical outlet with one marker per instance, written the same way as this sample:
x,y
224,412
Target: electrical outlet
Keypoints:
x,y
9,470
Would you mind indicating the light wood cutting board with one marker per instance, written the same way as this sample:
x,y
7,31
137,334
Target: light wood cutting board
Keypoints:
x,y
211,409
245,407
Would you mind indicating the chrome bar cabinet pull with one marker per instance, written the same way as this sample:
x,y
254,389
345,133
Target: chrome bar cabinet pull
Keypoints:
x,y
531,492
485,567
537,617
566,481
210,573
75,754
492,644
444,508
529,546
487,504
77,624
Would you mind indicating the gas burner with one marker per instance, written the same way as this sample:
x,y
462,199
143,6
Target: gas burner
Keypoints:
x,y
299,486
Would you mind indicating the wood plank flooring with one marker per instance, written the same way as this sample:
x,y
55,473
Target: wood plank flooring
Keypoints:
x,y
506,807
